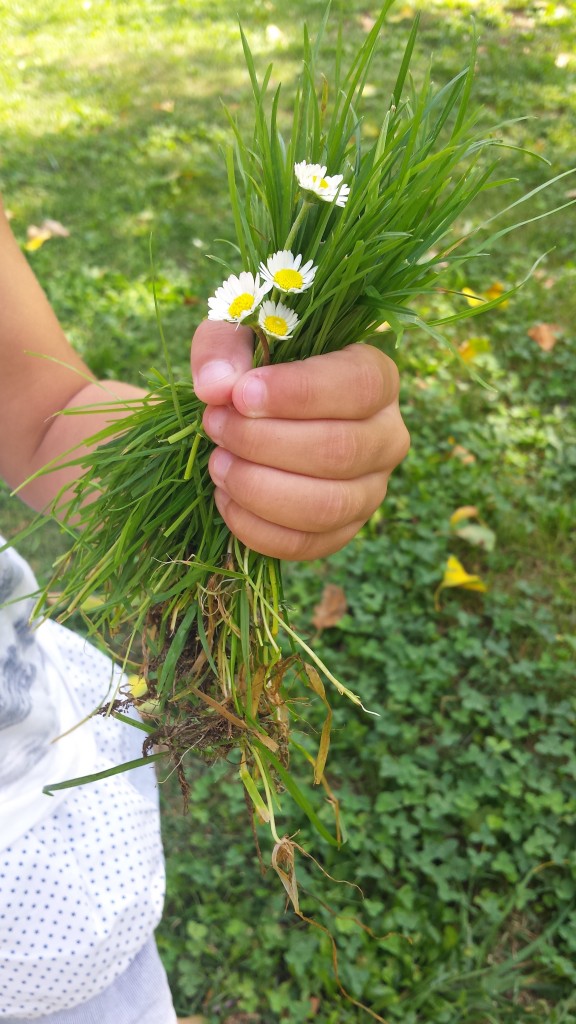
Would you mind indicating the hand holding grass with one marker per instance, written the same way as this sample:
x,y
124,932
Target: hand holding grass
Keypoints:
x,y
305,448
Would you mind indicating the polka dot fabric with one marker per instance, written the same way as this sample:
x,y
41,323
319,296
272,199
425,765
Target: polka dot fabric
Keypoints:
x,y
82,891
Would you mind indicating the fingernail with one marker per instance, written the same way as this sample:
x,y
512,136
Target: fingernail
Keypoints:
x,y
254,395
220,464
214,422
214,372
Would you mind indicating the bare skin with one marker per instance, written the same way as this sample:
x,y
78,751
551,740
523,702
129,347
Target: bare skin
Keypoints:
x,y
304,450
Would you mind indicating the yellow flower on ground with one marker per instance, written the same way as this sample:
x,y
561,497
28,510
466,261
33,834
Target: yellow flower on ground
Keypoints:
x,y
276,319
313,178
237,297
287,273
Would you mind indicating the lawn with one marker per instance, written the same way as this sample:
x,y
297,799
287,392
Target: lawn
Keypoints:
x,y
459,800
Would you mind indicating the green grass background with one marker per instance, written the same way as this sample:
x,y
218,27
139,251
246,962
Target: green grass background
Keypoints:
x,y
460,800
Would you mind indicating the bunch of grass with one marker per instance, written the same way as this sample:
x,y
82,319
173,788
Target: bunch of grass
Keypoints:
x,y
151,567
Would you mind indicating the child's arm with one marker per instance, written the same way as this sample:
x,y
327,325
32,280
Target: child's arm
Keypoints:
x,y
33,389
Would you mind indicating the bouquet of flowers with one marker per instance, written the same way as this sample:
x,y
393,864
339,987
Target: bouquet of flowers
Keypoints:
x,y
335,234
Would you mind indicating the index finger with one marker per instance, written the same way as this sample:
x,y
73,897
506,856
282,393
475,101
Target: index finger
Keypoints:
x,y
353,383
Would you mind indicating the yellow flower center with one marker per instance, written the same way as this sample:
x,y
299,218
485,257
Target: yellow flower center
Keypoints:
x,y
275,325
322,183
241,304
288,278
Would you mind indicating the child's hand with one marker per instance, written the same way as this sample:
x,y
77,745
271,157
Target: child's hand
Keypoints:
x,y
305,449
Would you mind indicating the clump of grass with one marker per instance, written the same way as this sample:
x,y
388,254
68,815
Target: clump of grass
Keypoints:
x,y
152,568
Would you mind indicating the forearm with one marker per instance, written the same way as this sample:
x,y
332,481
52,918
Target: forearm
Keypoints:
x,y
64,440
41,374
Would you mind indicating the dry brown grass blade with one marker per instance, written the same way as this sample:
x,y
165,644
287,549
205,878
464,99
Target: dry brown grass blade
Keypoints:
x,y
238,723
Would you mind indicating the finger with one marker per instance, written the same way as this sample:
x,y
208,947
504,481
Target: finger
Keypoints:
x,y
350,384
331,449
221,354
295,501
277,541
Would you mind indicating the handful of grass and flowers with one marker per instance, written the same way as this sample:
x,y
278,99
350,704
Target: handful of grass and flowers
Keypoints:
x,y
335,234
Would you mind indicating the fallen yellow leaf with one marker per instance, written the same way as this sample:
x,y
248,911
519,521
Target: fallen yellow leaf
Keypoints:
x,y
36,238
495,291
464,512
138,686
473,347
472,298
455,575
37,235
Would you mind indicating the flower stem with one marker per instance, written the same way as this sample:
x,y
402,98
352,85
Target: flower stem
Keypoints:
x,y
296,225
264,344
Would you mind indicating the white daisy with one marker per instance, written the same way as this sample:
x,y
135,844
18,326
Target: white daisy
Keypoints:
x,y
283,271
237,297
329,187
276,319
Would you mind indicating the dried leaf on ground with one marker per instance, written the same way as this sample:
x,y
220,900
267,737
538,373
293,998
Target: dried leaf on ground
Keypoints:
x,y
56,229
166,105
462,453
331,608
37,234
545,335
479,535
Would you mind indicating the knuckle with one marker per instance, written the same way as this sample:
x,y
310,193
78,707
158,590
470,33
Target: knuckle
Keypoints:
x,y
304,392
298,546
342,450
377,379
245,488
340,505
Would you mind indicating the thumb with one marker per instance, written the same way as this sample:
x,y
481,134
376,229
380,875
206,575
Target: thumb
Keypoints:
x,y
221,353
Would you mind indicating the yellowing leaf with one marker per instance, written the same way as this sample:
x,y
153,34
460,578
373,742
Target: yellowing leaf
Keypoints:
x,y
472,297
36,238
138,686
464,512
37,235
473,347
495,291
322,755
455,575
477,534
